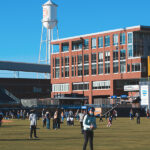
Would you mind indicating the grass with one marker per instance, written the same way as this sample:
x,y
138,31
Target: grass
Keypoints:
x,y
123,134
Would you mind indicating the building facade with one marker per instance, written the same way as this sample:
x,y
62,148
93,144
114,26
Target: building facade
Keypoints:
x,y
98,65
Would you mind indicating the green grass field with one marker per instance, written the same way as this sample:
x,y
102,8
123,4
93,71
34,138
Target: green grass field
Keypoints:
x,y
124,134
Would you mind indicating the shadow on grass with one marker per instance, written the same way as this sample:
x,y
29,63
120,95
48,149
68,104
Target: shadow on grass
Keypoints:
x,y
19,140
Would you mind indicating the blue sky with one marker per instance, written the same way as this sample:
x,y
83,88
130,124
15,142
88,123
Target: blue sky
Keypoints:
x,y
20,27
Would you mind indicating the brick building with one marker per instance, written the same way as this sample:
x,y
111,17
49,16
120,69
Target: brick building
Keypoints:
x,y
100,64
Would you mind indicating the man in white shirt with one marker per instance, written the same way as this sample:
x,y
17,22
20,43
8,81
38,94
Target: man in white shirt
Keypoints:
x,y
81,117
33,123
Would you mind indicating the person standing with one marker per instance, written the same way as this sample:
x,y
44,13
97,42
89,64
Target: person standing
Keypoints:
x,y
138,117
81,117
33,123
47,120
89,124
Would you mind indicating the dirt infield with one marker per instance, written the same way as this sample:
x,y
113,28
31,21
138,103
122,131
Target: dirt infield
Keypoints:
x,y
6,121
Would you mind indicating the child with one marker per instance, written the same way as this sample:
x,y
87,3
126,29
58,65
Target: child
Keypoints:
x,y
109,121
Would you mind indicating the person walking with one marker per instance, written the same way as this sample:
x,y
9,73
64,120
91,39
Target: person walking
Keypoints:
x,y
33,123
89,124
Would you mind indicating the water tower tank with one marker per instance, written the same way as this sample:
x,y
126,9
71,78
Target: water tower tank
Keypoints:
x,y
49,15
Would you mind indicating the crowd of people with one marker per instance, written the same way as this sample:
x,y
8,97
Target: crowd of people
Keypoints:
x,y
53,120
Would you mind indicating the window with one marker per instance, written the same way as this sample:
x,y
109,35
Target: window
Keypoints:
x,y
93,57
80,86
62,72
56,62
122,38
115,39
107,56
100,57
101,85
122,66
115,55
67,61
57,72
136,67
65,47
100,42
72,71
130,45
77,45
128,67
86,59
122,54
107,68
60,87
86,44
130,51
80,68
93,69
93,44
115,67
107,41
79,59
66,71
53,62
62,61
72,60
86,70
130,38
100,68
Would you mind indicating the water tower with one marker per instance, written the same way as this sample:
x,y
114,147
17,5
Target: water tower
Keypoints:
x,y
49,22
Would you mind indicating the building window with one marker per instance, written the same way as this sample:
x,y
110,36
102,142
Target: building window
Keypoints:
x,y
57,72
66,71
115,67
100,57
72,71
100,68
93,69
53,62
107,68
101,85
130,51
86,70
115,39
100,42
122,66
60,87
79,59
67,61
107,56
56,62
93,58
93,44
128,67
62,72
77,45
122,38
107,41
136,67
80,70
72,60
115,55
122,54
86,58
130,45
130,38
86,43
65,47
80,86
62,61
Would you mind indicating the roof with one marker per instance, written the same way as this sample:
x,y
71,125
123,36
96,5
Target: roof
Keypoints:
x,y
103,32
50,3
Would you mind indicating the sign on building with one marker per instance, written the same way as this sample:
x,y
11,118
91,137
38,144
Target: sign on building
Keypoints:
x,y
144,95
